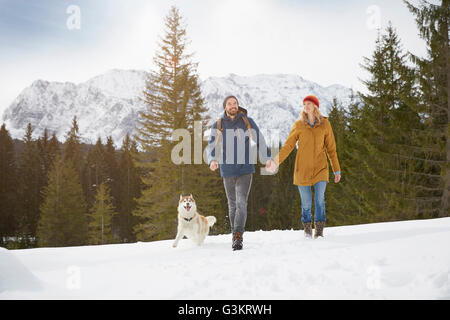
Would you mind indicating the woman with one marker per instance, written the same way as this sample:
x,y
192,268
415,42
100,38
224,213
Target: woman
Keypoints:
x,y
315,137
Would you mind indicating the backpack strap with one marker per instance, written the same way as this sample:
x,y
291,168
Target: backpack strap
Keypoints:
x,y
247,123
219,130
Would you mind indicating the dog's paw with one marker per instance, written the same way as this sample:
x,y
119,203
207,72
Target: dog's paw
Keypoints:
x,y
174,245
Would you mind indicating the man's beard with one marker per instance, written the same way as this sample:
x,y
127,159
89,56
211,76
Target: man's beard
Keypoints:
x,y
232,112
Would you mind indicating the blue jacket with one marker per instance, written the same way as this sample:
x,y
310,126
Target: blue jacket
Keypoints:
x,y
234,162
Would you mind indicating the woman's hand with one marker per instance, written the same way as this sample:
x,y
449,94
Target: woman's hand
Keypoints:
x,y
271,166
337,178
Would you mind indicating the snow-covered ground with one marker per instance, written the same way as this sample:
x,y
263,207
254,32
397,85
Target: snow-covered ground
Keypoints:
x,y
395,260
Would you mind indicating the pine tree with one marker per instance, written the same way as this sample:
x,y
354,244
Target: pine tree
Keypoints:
x,y
100,218
173,101
30,184
94,171
63,220
47,148
53,148
8,187
112,167
72,147
336,209
387,192
350,200
130,188
112,177
433,140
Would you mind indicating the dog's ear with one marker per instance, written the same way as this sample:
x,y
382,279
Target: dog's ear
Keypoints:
x,y
191,196
181,196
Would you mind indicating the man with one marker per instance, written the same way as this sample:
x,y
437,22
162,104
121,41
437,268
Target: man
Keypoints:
x,y
233,155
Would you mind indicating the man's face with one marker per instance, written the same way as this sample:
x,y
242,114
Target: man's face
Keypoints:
x,y
231,107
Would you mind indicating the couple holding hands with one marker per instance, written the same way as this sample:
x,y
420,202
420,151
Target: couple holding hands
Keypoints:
x,y
314,136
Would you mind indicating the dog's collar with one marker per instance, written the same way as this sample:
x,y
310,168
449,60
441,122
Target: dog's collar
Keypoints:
x,y
189,219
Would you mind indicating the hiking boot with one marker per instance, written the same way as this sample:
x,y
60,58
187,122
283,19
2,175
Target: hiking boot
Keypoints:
x,y
237,241
308,229
318,229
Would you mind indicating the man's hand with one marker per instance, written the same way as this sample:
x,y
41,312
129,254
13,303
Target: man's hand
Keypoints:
x,y
337,178
213,165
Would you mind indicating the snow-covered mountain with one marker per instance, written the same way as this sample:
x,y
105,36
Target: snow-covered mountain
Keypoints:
x,y
108,104
105,105
391,260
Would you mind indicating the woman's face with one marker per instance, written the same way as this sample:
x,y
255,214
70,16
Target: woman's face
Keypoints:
x,y
308,107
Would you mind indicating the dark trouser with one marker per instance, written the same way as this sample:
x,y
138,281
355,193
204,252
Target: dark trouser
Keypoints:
x,y
237,189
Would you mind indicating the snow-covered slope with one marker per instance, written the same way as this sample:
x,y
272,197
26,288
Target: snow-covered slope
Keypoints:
x,y
108,104
395,260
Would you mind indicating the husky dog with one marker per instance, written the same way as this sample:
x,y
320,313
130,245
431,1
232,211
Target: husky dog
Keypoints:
x,y
191,223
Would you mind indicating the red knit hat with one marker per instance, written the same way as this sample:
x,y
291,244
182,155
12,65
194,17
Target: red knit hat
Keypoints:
x,y
313,99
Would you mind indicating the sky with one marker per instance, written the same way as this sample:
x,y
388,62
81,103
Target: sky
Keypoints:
x,y
74,40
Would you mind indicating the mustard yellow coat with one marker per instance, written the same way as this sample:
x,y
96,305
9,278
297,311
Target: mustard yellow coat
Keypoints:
x,y
311,165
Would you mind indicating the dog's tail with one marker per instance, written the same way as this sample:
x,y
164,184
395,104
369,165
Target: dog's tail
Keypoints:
x,y
211,220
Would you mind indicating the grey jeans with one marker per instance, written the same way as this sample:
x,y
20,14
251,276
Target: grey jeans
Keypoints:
x,y
237,189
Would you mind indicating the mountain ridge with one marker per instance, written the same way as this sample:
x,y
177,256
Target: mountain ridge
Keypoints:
x,y
108,104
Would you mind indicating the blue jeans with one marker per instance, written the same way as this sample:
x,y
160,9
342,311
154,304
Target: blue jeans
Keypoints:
x,y
319,201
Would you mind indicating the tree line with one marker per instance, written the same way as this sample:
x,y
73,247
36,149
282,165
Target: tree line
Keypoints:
x,y
63,194
392,142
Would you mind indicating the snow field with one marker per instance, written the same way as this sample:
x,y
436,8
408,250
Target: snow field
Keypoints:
x,y
394,260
